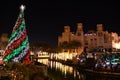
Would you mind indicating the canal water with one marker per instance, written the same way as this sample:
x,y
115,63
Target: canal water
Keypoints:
x,y
58,71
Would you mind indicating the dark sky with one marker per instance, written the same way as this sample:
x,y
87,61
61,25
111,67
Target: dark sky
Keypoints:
x,y
45,19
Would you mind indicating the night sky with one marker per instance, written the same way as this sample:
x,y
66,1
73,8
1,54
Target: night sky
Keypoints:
x,y
45,19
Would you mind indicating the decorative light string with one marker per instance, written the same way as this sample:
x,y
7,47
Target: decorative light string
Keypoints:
x,y
22,54
15,45
16,51
18,48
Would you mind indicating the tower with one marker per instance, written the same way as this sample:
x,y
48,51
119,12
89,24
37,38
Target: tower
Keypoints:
x,y
66,28
99,27
100,36
80,33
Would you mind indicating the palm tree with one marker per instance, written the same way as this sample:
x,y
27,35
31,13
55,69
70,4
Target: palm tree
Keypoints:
x,y
75,44
64,46
71,45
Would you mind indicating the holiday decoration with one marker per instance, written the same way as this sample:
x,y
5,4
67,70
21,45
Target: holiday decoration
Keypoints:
x,y
18,49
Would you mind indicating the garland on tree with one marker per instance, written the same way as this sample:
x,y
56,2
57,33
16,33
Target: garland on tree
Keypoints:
x,y
18,49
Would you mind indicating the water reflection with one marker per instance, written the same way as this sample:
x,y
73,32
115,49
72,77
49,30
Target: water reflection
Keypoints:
x,y
61,67
59,71
67,72
44,61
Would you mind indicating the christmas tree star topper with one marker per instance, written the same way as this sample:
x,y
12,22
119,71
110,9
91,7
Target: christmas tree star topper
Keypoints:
x,y
22,8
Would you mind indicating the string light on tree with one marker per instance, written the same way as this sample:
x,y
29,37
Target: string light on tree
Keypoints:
x,y
18,49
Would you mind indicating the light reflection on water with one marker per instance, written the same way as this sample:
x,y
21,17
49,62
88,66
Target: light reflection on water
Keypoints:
x,y
61,67
44,61
64,72
67,71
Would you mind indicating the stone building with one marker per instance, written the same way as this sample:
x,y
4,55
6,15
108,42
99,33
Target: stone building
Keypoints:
x,y
68,36
98,39
92,39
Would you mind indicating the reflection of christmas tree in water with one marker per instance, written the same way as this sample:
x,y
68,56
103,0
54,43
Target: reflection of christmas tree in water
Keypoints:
x,y
17,49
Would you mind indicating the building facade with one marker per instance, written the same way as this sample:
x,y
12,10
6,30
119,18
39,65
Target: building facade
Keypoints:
x,y
92,39
3,41
68,36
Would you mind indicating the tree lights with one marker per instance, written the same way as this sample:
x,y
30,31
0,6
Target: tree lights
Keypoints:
x,y
18,48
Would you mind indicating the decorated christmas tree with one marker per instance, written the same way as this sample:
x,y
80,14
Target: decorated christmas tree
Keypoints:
x,y
18,49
